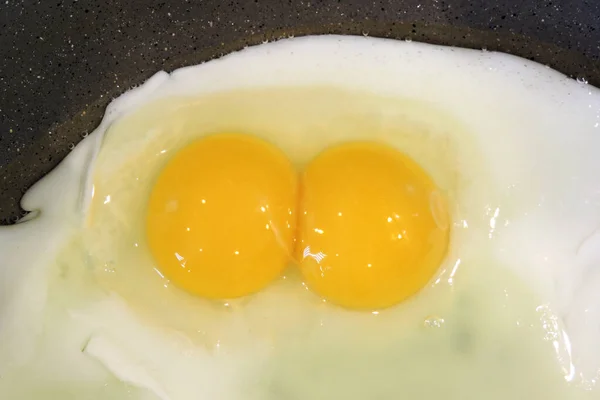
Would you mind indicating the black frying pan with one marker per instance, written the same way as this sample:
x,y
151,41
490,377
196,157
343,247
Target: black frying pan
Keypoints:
x,y
62,61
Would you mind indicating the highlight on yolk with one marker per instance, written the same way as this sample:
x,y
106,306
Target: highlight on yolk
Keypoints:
x,y
373,226
222,216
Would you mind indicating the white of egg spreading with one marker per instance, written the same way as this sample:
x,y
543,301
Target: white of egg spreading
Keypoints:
x,y
317,218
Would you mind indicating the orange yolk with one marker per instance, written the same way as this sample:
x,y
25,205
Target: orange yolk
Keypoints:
x,y
373,227
221,216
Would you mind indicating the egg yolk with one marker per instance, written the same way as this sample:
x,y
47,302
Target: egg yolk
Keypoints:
x,y
221,217
373,227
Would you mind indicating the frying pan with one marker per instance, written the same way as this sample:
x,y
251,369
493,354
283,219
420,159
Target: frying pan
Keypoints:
x,y
61,62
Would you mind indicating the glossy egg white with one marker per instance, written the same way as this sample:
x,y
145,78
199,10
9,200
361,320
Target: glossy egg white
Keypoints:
x,y
512,312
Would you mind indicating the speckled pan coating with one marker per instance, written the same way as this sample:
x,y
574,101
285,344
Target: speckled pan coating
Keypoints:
x,y
62,61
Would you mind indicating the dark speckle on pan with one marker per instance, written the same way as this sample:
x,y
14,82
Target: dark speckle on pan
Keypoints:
x,y
61,62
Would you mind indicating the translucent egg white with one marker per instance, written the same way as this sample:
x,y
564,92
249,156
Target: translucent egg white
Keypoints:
x,y
523,143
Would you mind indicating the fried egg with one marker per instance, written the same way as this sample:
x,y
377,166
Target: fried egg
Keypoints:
x,y
317,218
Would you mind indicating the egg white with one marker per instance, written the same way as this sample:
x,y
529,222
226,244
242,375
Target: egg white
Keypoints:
x,y
511,141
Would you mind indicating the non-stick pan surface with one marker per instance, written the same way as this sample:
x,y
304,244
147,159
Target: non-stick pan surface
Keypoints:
x,y
62,61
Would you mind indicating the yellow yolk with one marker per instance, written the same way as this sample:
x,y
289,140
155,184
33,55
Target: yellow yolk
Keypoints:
x,y
373,227
221,216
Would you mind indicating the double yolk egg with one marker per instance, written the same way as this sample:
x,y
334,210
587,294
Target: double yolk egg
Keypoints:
x,y
365,224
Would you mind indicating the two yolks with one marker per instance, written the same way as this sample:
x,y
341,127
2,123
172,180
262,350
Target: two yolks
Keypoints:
x,y
366,225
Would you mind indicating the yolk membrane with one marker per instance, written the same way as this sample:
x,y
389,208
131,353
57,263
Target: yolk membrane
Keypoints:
x,y
222,216
373,226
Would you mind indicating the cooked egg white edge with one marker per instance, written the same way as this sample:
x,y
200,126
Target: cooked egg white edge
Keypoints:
x,y
121,342
27,247
566,273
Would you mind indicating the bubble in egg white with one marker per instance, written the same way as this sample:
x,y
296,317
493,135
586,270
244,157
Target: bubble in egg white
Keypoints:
x,y
511,142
